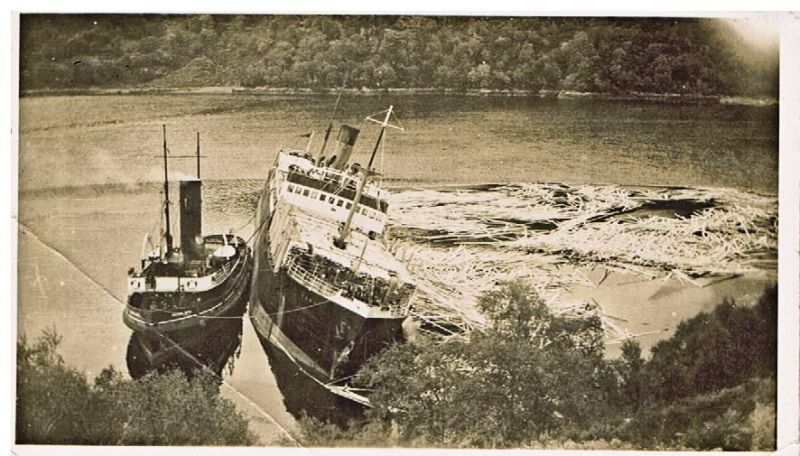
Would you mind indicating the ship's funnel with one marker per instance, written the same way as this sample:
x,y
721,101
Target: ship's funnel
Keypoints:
x,y
191,220
344,145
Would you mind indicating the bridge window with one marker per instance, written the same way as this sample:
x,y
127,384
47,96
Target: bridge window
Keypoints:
x,y
339,203
322,197
305,192
348,205
291,188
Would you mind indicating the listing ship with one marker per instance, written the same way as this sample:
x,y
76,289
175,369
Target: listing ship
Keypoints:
x,y
178,290
325,289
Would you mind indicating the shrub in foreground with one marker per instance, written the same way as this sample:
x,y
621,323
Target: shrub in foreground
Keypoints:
x,y
533,379
529,375
57,405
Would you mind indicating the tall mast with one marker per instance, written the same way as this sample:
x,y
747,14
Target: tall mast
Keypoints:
x,y
198,155
341,241
167,234
330,124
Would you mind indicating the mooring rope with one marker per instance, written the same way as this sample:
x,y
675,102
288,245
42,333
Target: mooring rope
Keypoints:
x,y
183,351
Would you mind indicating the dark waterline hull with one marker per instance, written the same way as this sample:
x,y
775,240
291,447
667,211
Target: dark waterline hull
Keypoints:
x,y
223,300
303,395
313,330
157,347
327,341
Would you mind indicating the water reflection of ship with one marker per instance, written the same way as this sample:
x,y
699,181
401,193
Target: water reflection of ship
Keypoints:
x,y
214,346
302,396
325,289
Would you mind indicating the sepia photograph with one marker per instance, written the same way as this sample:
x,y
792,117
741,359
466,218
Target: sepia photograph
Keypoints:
x,y
398,231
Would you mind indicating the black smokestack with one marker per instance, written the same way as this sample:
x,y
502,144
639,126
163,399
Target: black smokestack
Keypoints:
x,y
344,145
191,219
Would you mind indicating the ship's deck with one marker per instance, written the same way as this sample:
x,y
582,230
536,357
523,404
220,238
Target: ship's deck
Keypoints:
x,y
205,266
324,174
371,256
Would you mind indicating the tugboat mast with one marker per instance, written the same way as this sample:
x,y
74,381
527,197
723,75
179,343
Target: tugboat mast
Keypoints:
x,y
341,241
198,155
167,234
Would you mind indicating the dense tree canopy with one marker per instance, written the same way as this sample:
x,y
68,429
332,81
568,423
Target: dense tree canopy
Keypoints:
x,y
660,55
56,405
534,378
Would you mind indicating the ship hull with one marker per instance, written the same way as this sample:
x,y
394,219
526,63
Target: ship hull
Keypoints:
x,y
326,340
222,301
303,396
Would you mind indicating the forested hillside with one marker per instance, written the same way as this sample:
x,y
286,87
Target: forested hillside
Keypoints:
x,y
687,56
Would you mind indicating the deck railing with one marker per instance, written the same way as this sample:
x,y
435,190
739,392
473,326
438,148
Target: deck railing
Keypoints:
x,y
298,272
301,273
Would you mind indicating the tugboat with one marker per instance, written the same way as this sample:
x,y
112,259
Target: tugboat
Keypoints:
x,y
325,289
177,291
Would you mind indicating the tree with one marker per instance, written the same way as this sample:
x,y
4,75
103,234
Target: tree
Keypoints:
x,y
717,349
480,76
528,375
609,55
531,378
50,395
579,57
56,405
631,368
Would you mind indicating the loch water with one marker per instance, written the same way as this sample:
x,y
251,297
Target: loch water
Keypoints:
x,y
89,190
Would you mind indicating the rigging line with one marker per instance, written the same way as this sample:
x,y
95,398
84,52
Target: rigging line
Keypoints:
x,y
260,226
246,223
173,221
334,382
271,314
397,119
157,221
28,231
378,113
340,188
380,180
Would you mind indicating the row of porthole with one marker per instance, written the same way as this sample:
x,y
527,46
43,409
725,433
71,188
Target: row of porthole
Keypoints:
x,y
313,194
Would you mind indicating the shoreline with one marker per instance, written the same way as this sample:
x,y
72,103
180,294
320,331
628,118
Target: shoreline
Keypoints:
x,y
544,94
391,185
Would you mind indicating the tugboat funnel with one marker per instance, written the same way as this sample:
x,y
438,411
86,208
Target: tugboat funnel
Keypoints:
x,y
344,145
191,220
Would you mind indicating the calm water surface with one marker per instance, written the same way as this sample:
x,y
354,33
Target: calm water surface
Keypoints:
x,y
89,169
112,139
